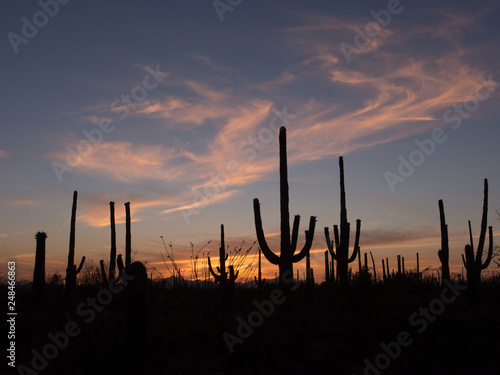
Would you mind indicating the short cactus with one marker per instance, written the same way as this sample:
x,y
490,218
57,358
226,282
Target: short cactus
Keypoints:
x,y
223,278
342,241
474,263
444,252
39,271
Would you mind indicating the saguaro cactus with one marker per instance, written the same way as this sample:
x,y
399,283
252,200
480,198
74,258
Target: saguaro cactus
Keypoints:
x,y
342,242
474,264
71,270
223,277
39,271
112,254
128,236
444,252
288,245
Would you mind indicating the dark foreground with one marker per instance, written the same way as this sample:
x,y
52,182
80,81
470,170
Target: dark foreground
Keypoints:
x,y
403,328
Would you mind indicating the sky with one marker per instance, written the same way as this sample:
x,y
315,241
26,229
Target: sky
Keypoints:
x,y
174,106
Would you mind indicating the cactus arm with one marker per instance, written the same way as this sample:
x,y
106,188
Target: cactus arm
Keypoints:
x,y
119,263
356,242
270,256
490,251
484,219
329,243
470,235
295,232
463,260
309,239
216,277
233,276
80,266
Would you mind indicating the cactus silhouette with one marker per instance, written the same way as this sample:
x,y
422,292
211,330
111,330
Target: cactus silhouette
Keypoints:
x,y
71,270
342,241
112,255
474,263
327,268
39,271
288,245
223,278
444,252
128,236
258,280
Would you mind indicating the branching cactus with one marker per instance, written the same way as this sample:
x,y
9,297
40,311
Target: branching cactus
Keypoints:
x,y
341,255
444,252
39,271
223,278
71,270
288,244
474,263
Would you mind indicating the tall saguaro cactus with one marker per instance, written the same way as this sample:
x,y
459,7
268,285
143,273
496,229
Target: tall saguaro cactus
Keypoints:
x,y
112,254
474,264
288,244
444,252
342,242
39,271
128,236
223,278
71,270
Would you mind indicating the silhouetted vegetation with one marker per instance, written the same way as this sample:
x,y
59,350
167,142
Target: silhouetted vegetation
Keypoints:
x,y
125,323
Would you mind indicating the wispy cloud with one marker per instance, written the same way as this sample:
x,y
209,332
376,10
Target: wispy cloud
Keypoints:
x,y
390,91
22,201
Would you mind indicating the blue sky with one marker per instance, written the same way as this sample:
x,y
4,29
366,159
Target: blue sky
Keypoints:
x,y
196,139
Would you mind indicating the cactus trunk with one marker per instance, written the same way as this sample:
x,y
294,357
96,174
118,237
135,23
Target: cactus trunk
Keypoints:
x,y
128,236
39,271
71,270
444,252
